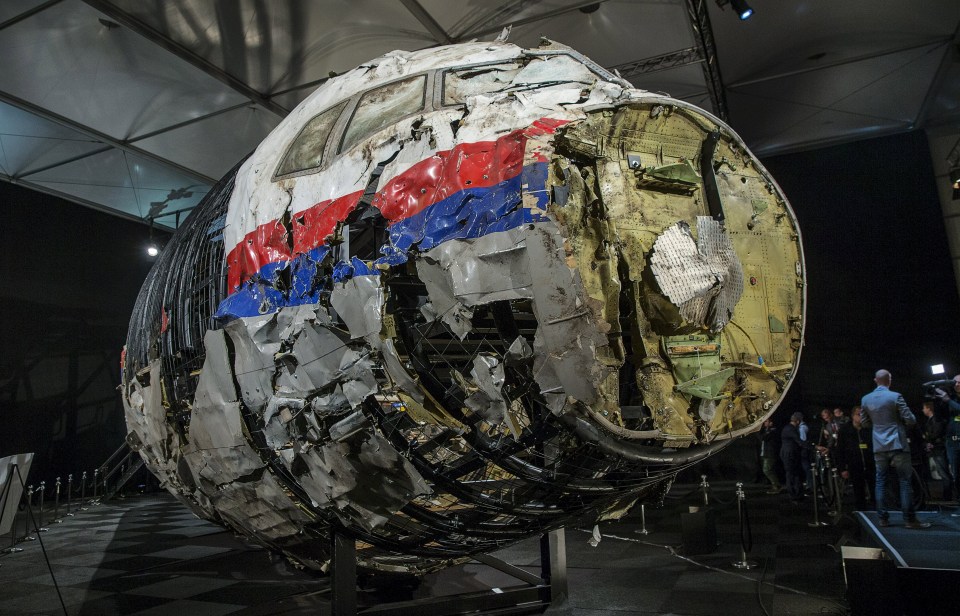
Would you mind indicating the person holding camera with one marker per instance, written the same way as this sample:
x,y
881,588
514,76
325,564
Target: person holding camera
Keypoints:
x,y
933,439
952,433
889,416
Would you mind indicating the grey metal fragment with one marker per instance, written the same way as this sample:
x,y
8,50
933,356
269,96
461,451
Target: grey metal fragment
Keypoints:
x,y
279,402
290,321
216,426
703,278
567,335
397,372
443,305
356,377
348,426
261,508
332,403
519,352
254,365
340,472
359,302
488,400
317,354
483,270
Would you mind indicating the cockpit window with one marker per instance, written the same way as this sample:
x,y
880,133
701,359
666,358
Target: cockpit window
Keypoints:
x,y
306,151
383,106
460,84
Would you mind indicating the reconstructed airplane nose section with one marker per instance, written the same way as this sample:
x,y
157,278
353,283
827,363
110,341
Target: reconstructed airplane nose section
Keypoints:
x,y
459,297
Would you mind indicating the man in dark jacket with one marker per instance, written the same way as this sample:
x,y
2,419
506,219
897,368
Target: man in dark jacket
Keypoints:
x,y
952,436
768,456
854,458
933,438
790,447
888,414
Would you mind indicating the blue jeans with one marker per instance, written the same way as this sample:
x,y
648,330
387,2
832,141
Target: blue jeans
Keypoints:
x,y
900,461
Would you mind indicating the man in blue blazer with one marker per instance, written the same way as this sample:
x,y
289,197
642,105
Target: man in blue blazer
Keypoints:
x,y
889,416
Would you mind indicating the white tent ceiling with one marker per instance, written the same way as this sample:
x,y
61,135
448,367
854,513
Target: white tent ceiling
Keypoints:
x,y
120,104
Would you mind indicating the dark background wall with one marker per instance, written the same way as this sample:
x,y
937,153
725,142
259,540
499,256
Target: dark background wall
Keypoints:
x,y
881,290
70,276
881,293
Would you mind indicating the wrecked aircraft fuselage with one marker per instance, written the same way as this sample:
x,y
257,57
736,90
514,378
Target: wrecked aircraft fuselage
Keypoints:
x,y
459,297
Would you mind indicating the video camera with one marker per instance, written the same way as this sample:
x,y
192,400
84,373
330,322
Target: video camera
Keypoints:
x,y
942,384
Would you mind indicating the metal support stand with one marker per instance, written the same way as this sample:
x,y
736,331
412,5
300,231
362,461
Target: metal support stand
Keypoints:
x,y
343,577
56,503
816,504
27,532
837,497
93,501
745,534
69,493
83,491
43,489
532,598
553,568
643,521
706,490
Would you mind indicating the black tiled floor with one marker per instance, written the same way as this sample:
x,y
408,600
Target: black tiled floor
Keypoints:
x,y
149,556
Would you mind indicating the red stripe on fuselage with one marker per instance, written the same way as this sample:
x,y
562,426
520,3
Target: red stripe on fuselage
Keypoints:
x,y
468,165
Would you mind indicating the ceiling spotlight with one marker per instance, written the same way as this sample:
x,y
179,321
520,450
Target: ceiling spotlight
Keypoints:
x,y
744,11
153,250
590,8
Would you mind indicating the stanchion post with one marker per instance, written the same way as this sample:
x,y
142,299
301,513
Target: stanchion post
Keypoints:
x,y
643,521
816,505
56,503
43,491
69,492
83,491
838,501
93,500
706,490
27,532
743,563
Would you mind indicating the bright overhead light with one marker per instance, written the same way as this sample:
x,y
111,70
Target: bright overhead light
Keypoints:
x,y
153,250
937,369
744,11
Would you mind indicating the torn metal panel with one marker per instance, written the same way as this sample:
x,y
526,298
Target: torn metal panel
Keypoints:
x,y
254,363
443,306
260,508
356,377
398,373
702,277
337,472
359,302
487,269
313,363
216,424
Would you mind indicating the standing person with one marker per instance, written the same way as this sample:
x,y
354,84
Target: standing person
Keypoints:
x,y
804,430
768,456
889,416
952,436
839,417
933,434
854,457
791,445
